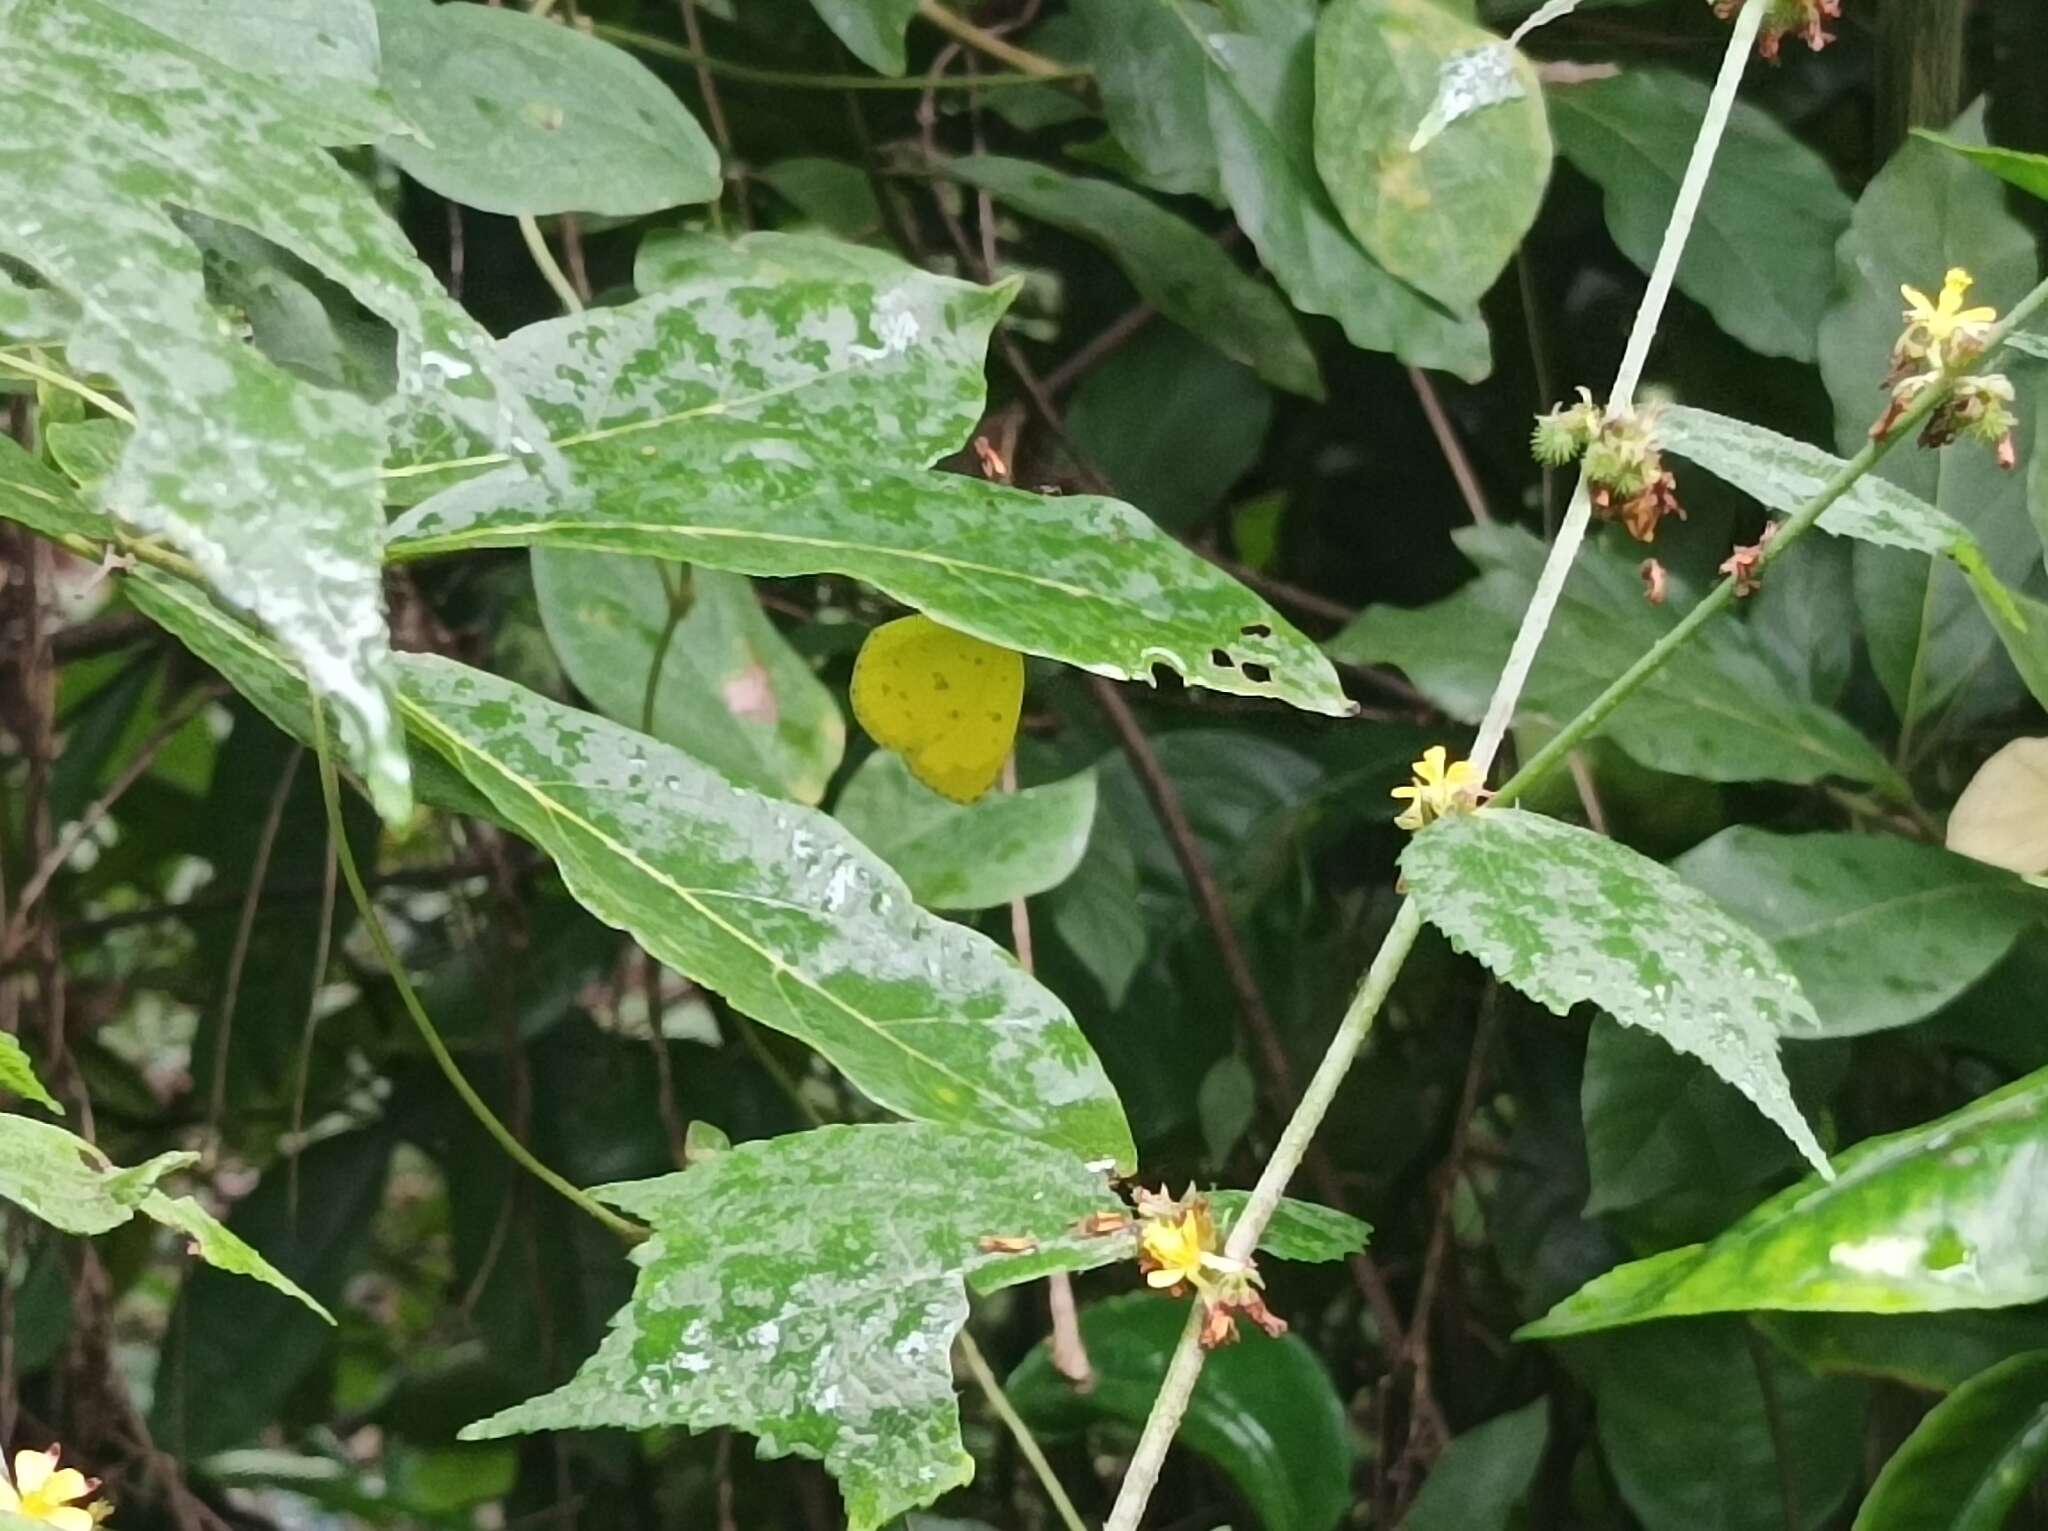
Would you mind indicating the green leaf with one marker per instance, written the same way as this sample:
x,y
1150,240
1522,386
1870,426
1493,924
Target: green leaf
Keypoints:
x,y
1298,1230
869,359
1154,84
1761,255
1175,267
1879,931
2021,623
1008,845
1967,1463
1445,218
1784,474
1263,1410
872,29
1660,1123
1087,581
1172,424
778,909
807,1289
1928,210
33,313
2029,172
514,114
1568,916
1934,1352
1694,1446
18,1075
1097,914
266,484
730,691
1718,709
1937,1217
220,1247
59,1177
836,196
1483,1474
1261,106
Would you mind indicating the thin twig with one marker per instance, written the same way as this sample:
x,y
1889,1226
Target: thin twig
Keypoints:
x,y
323,944
550,271
13,361
714,110
1447,443
53,861
1774,1420
245,927
1588,790
1027,1443
981,40
791,79
1109,339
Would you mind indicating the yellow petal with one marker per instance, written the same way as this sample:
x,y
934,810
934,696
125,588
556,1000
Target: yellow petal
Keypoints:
x,y
32,1470
69,1518
1160,1280
65,1485
1917,298
9,1500
1431,766
1977,316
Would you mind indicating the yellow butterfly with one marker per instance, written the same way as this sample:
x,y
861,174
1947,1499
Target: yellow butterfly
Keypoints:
x,y
945,702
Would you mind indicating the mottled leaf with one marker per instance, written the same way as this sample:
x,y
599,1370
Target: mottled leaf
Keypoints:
x,y
1967,1463
1261,105
1569,917
1718,709
1263,1410
59,1177
18,1075
778,909
1879,931
213,1242
1174,266
807,1289
266,484
728,688
866,357
1445,217
513,114
973,856
1947,1215
1761,254
1476,1483
1926,211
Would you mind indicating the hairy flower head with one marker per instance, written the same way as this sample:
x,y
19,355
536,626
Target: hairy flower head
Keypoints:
x,y
1439,787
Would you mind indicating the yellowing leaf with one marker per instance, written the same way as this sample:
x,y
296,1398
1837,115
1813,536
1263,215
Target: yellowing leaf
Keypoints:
x,y
2002,816
946,702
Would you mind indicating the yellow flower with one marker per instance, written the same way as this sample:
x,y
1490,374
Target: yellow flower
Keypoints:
x,y
1179,1246
1938,321
1439,788
43,1491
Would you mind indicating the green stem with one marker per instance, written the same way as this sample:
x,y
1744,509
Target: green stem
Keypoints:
x,y
1034,1454
981,40
791,79
1844,478
28,367
550,270
330,789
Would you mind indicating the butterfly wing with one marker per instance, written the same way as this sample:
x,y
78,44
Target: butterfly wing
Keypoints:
x,y
946,702
2002,816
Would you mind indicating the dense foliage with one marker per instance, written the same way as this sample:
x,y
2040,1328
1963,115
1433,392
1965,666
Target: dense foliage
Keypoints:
x,y
725,725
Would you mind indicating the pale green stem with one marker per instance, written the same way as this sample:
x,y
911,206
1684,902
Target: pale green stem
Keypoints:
x,y
29,367
981,40
1027,1443
1500,711
330,789
551,272
790,79
1186,1366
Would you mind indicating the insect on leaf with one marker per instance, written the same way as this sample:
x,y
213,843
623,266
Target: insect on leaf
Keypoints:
x,y
946,702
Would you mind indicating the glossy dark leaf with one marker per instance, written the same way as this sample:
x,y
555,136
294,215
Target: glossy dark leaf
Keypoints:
x,y
1476,1483
1967,1463
1264,1410
1947,1215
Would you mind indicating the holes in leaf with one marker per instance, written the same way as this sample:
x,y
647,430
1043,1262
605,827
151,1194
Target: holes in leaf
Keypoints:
x,y
1256,673
1221,659
1256,630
